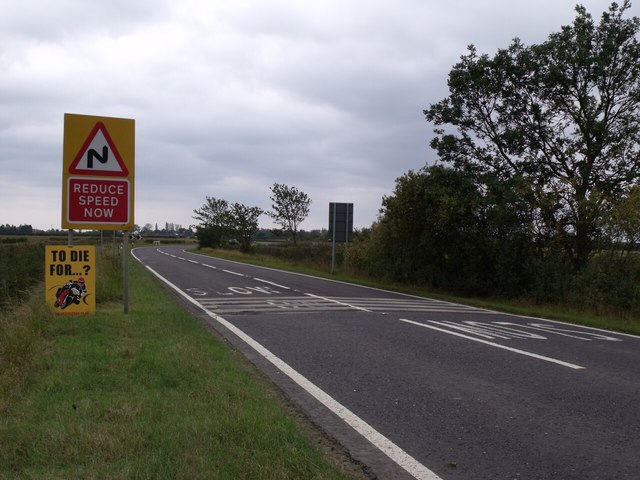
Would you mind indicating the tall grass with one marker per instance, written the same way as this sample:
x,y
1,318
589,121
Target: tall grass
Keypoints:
x,y
21,267
23,314
311,254
22,345
109,280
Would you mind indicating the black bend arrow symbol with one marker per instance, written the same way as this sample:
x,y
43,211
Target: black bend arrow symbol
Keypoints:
x,y
91,154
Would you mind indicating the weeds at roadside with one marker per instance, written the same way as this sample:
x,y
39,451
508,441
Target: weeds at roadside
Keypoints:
x,y
21,267
22,345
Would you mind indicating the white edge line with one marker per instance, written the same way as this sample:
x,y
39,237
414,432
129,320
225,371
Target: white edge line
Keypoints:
x,y
395,453
496,345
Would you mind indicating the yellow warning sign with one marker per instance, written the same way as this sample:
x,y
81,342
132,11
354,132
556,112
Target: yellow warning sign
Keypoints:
x,y
98,173
70,273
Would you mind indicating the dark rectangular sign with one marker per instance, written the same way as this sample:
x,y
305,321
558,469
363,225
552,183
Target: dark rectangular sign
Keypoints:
x,y
340,222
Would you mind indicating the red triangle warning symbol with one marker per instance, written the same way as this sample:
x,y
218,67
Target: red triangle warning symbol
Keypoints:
x,y
99,156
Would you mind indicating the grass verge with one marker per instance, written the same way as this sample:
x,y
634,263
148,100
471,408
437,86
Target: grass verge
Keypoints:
x,y
151,394
619,323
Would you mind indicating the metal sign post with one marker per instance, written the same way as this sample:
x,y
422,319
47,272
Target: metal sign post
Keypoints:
x,y
125,271
333,239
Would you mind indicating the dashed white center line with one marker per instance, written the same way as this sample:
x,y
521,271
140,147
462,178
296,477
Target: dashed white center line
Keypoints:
x,y
271,283
233,273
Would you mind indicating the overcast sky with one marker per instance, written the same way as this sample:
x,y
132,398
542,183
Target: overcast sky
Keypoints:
x,y
231,96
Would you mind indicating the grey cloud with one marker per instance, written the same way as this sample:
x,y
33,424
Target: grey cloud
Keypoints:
x,y
229,97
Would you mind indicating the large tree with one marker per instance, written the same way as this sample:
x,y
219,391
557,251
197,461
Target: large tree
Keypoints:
x,y
452,230
220,220
214,221
244,223
563,114
290,208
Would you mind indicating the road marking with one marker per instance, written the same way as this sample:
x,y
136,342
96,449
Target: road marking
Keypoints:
x,y
571,333
337,301
209,266
394,452
249,303
496,345
197,292
271,283
243,299
233,273
192,261
489,330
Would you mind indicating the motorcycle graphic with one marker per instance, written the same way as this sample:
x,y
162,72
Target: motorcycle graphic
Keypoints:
x,y
70,293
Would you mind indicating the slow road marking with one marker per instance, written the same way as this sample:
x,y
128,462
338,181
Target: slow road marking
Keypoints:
x,y
497,345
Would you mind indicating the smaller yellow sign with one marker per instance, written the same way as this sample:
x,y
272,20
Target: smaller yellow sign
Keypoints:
x,y
70,279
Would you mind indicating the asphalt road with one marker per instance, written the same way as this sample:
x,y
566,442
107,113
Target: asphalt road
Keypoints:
x,y
417,388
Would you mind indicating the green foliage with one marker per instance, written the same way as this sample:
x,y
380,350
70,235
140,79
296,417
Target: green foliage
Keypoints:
x,y
244,223
365,254
430,225
21,267
608,284
8,240
622,222
22,343
316,254
471,234
109,281
290,208
454,231
12,229
209,237
563,115
220,221
214,213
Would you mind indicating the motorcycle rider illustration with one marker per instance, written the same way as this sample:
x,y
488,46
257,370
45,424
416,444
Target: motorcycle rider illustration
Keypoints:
x,y
71,292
